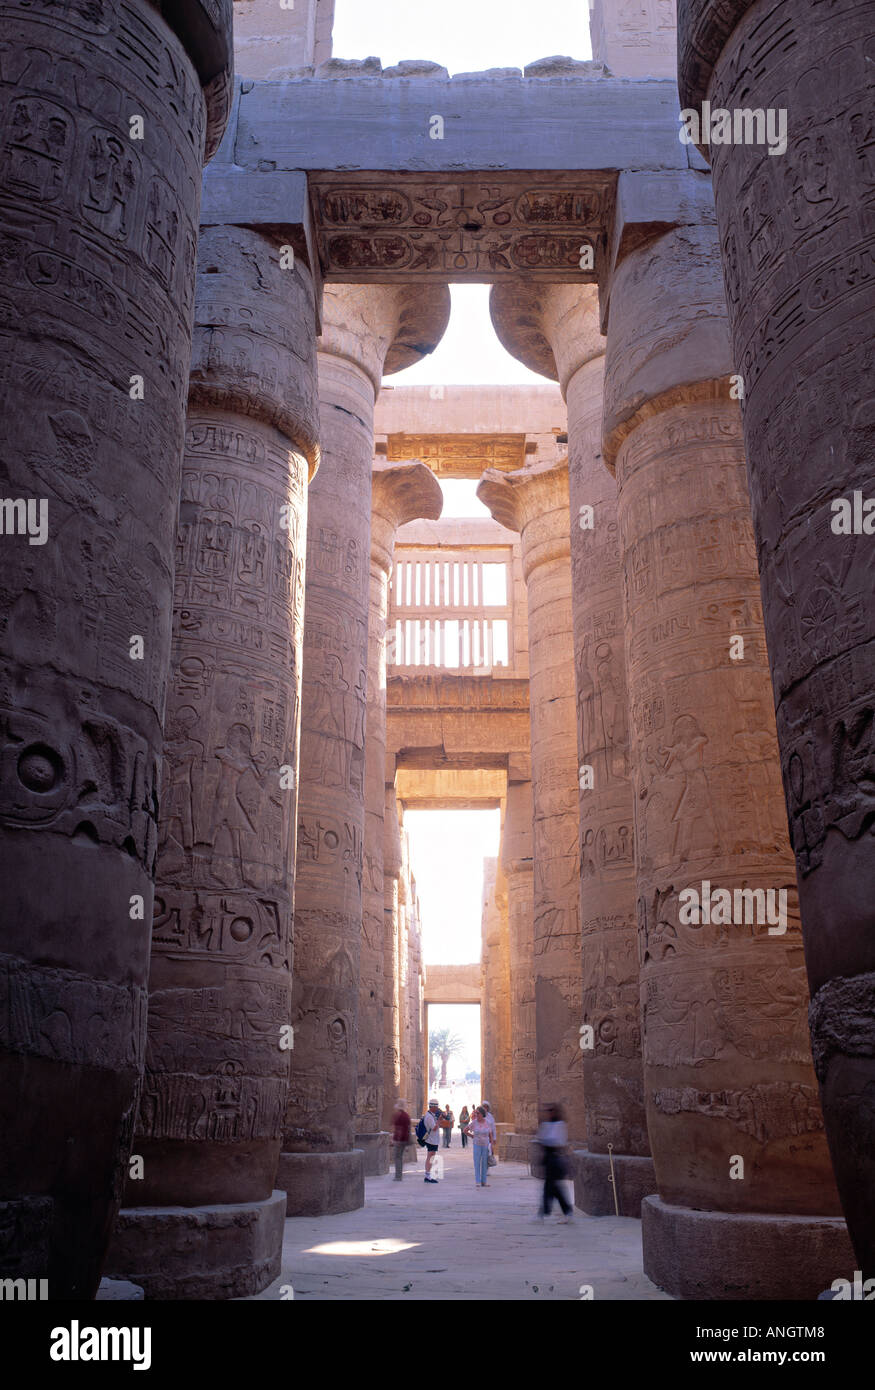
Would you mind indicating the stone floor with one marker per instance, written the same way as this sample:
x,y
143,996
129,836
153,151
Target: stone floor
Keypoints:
x,y
457,1241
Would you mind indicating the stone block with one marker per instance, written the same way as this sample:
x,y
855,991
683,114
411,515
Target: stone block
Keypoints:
x,y
635,1179
203,1253
322,1184
375,1148
723,1256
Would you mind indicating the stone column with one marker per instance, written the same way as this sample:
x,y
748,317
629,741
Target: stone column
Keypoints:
x,y
535,503
414,1052
366,329
394,1081
495,994
99,244
796,236
399,493
219,1040
516,863
555,330
728,1076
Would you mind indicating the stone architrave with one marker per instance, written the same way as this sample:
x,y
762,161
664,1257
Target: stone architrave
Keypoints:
x,y
556,331
99,239
220,1025
366,331
517,864
728,1075
796,235
399,493
535,502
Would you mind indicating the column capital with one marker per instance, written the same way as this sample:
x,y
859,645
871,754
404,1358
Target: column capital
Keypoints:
x,y
553,329
668,342
253,349
383,328
533,501
400,492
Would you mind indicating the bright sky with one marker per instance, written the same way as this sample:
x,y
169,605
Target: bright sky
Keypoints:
x,y
447,849
465,36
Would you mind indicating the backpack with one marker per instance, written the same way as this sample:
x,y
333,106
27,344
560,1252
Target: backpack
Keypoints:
x,y
421,1132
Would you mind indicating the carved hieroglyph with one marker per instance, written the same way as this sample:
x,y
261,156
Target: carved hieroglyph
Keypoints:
x,y
535,503
723,1006
399,493
363,328
557,329
98,236
516,862
220,984
796,235
443,228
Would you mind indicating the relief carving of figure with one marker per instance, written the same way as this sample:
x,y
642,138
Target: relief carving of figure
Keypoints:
x,y
236,802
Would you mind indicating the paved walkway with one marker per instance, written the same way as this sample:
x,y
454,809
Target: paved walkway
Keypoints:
x,y
456,1241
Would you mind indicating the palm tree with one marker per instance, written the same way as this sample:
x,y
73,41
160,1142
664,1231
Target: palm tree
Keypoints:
x,y
444,1044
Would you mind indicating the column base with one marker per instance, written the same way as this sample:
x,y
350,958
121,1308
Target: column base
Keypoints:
x,y
516,1148
411,1155
215,1252
635,1178
375,1148
322,1184
723,1256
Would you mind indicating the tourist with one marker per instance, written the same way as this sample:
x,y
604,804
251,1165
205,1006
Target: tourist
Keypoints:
x,y
553,1138
481,1138
493,1135
433,1120
464,1121
448,1132
400,1136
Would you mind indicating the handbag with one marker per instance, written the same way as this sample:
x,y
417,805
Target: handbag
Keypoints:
x,y
491,1160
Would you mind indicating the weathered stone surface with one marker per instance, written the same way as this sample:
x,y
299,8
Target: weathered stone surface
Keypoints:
x,y
535,503
415,67
492,125
239,1248
270,40
635,38
796,238
728,1256
363,329
99,242
632,1178
727,1069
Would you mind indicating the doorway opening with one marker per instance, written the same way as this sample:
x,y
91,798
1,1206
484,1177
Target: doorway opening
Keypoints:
x,y
453,1053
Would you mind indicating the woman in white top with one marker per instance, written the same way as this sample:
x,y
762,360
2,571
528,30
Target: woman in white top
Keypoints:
x,y
480,1133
